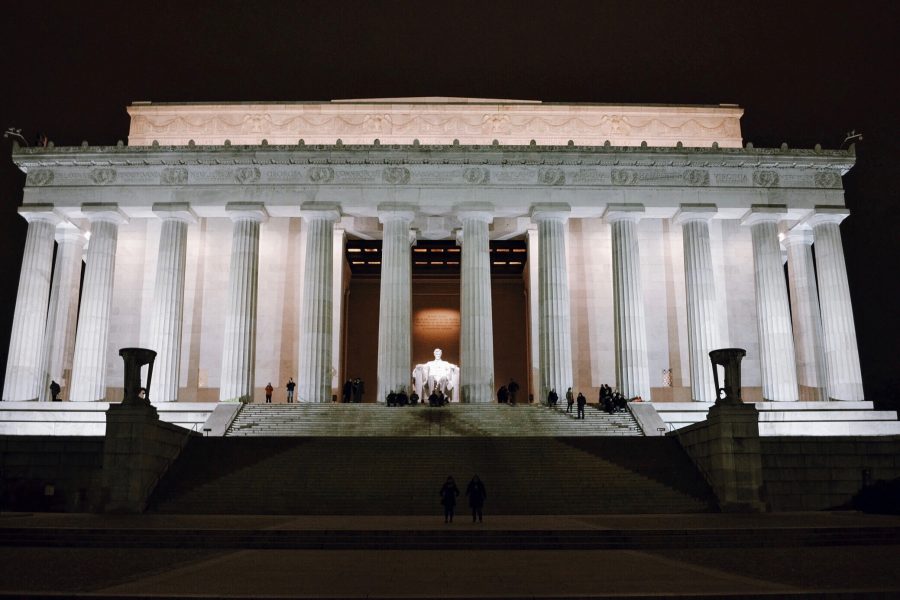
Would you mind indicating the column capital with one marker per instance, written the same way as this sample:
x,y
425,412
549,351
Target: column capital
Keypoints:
x,y
67,232
103,212
694,212
40,212
764,213
478,211
177,211
550,212
797,236
827,214
623,212
247,211
390,211
320,211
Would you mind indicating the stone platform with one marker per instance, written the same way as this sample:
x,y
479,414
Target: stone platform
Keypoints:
x,y
797,555
88,418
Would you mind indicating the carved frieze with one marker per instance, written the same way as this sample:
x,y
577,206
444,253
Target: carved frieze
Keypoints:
x,y
476,175
103,176
321,174
174,176
551,176
247,175
695,177
827,179
766,179
624,176
40,177
395,175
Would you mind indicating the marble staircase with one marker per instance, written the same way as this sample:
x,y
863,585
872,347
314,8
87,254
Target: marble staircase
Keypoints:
x,y
402,475
275,420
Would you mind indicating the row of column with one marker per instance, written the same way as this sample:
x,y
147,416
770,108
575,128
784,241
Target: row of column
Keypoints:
x,y
42,332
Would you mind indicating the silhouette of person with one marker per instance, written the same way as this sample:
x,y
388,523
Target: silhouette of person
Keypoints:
x,y
269,390
414,398
347,391
513,389
54,391
477,494
552,398
570,400
448,493
581,402
503,395
290,389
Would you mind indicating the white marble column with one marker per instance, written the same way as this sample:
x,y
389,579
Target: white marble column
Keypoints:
x,y
773,315
314,376
337,301
843,374
239,345
168,298
92,337
476,342
805,315
554,326
534,357
395,304
24,373
700,291
632,366
59,338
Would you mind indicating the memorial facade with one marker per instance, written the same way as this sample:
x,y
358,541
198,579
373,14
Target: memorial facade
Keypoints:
x,y
583,244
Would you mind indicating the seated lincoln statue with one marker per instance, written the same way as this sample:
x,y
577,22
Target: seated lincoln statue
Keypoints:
x,y
437,374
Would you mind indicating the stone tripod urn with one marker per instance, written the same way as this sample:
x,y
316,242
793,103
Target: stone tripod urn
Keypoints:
x,y
729,394
135,358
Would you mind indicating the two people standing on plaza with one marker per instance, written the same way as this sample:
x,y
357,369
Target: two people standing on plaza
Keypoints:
x,y
475,491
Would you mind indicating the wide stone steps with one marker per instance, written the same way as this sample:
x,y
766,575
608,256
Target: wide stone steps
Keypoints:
x,y
281,420
391,475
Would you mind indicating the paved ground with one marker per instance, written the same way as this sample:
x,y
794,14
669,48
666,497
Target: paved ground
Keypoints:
x,y
840,570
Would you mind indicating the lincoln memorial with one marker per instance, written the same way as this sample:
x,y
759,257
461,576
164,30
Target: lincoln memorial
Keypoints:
x,y
559,245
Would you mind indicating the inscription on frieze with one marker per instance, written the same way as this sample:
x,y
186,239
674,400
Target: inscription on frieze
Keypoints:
x,y
40,177
588,176
657,175
103,176
765,179
436,321
732,179
354,176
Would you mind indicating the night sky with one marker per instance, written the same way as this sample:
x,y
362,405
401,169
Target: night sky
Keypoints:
x,y
805,73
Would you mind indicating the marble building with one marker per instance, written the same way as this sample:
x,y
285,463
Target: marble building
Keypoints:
x,y
582,244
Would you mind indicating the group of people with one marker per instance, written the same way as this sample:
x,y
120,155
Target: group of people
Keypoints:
x,y
507,393
353,391
401,398
571,400
289,387
612,401
475,491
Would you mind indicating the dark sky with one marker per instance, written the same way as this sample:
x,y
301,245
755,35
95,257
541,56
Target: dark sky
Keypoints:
x,y
805,72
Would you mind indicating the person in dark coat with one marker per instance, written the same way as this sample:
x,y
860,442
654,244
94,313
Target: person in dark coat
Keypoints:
x,y
414,398
552,398
269,390
570,400
477,494
513,388
54,391
503,395
347,391
581,402
290,390
448,493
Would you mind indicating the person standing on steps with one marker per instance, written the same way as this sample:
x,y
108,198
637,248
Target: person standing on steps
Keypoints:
x,y
476,493
290,389
269,390
448,493
513,389
570,400
54,391
552,398
581,402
